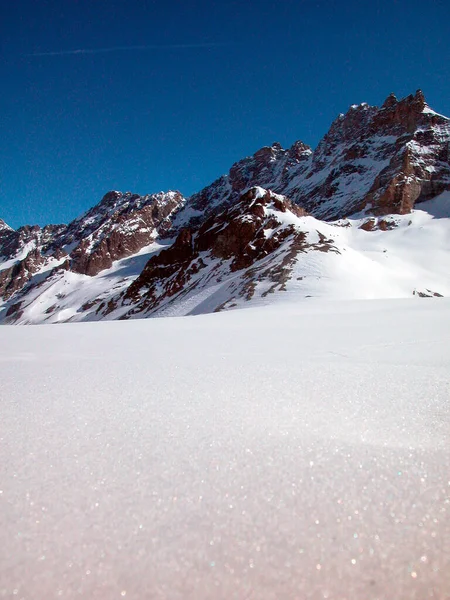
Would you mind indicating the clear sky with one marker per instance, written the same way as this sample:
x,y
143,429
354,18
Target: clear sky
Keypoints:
x,y
174,92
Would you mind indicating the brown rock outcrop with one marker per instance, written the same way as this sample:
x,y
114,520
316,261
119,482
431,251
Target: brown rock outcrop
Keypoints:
x,y
378,160
397,155
238,236
126,225
16,277
372,161
119,226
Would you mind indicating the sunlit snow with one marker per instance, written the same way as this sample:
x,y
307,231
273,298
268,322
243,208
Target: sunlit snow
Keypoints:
x,y
410,258
300,450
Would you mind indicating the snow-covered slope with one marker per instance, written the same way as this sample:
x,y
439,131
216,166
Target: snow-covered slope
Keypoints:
x,y
296,449
298,256
255,233
271,167
380,160
300,451
117,227
261,251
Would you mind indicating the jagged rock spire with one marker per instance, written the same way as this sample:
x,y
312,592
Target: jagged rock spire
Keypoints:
x,y
390,101
4,225
419,96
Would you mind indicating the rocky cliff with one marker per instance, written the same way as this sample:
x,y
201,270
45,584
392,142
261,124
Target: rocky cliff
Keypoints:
x,y
378,160
133,255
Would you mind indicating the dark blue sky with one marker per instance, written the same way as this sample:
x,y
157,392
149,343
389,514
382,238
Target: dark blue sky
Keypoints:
x,y
74,126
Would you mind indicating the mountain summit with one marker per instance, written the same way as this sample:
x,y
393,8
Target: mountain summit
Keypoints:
x,y
309,222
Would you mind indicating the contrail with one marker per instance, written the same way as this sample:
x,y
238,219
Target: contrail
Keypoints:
x,y
121,48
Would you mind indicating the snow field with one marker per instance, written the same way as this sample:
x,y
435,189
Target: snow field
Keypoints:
x,y
300,450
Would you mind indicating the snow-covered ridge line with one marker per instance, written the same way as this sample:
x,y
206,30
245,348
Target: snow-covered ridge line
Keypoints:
x,y
245,235
285,257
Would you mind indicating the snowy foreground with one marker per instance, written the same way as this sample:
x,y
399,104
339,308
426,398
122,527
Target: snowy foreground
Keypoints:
x,y
294,451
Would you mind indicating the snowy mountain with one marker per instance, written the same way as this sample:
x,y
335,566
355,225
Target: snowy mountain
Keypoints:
x,y
364,215
380,160
119,226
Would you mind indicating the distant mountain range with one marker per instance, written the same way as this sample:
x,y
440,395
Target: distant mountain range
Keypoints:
x,y
364,215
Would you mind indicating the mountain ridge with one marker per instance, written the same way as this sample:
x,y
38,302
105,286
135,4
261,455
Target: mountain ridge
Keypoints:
x,y
374,162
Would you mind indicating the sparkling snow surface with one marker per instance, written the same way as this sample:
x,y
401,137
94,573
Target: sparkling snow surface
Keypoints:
x,y
294,451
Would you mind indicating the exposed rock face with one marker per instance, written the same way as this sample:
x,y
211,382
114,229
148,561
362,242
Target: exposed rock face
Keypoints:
x,y
6,235
239,234
13,242
270,167
232,241
26,251
120,225
381,224
381,160
14,278
373,162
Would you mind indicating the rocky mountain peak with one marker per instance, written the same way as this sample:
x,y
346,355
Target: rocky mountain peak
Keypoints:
x,y
379,160
121,224
419,97
4,226
300,151
373,161
390,101
6,233
349,125
269,167
253,228
397,117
